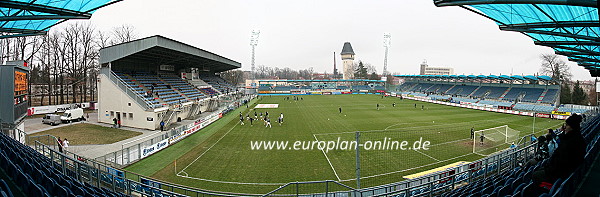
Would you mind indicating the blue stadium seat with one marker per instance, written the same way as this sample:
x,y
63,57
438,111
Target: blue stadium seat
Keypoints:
x,y
4,187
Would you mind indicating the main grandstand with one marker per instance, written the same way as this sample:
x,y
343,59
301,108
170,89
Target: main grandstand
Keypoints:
x,y
155,79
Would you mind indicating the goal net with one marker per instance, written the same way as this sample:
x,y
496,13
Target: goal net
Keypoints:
x,y
494,139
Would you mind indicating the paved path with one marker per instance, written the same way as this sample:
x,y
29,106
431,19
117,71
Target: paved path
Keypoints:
x,y
97,150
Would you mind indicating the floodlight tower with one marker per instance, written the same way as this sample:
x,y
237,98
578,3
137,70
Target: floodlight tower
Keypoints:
x,y
253,43
387,43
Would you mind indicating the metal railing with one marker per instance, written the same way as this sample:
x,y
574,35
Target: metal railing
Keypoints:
x,y
128,90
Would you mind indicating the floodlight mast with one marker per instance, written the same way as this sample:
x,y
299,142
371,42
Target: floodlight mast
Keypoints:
x,y
253,43
387,43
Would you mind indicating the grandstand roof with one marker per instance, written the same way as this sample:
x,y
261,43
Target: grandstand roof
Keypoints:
x,y
506,77
347,49
35,17
321,80
570,27
158,50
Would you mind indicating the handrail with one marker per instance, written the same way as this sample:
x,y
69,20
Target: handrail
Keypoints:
x,y
128,90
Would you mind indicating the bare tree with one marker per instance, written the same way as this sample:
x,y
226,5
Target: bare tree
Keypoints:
x,y
555,67
123,33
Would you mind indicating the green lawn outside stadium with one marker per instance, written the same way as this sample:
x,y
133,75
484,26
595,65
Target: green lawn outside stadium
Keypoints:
x,y
220,158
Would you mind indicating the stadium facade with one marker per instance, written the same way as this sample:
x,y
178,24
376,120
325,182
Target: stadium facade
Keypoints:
x,y
156,79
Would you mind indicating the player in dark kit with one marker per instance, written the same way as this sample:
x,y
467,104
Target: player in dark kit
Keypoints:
x,y
241,119
340,110
377,106
481,139
472,132
251,120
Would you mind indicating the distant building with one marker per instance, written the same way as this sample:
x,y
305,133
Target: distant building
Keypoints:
x,y
348,60
426,70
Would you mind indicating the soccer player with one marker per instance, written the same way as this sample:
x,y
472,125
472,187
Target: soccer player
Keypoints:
x,y
472,132
378,105
422,107
241,119
255,115
340,110
481,139
266,113
268,121
394,104
251,120
280,119
415,106
261,115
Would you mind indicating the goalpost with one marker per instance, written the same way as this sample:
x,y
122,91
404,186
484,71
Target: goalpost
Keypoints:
x,y
493,139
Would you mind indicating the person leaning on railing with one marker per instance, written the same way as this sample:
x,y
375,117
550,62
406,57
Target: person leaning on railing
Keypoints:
x,y
564,160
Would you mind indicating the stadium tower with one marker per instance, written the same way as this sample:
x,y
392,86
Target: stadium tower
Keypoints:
x,y
348,59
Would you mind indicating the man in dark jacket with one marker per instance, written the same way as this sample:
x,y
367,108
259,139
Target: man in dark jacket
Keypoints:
x,y
566,158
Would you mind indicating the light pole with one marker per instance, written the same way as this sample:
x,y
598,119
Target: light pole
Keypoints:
x,y
253,43
387,43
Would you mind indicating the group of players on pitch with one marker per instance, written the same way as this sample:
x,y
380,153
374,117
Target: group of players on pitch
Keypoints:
x,y
265,118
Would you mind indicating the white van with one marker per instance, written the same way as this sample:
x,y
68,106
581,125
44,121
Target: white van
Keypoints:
x,y
72,115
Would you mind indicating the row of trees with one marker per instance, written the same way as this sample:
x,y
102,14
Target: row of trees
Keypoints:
x,y
266,72
64,63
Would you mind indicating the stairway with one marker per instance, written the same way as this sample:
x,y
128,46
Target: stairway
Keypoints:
x,y
539,100
449,89
505,92
471,94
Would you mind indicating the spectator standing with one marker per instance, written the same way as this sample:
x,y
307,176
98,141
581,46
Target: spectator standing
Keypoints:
x,y
162,125
65,144
60,144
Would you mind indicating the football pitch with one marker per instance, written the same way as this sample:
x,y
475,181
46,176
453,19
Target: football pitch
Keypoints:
x,y
221,158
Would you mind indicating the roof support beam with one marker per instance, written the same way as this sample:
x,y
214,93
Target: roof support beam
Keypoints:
x,y
550,25
40,17
584,3
525,30
23,35
554,43
42,8
16,30
588,52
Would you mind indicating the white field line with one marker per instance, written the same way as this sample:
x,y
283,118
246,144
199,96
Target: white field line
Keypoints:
x,y
399,171
450,142
210,147
426,155
328,161
229,182
425,126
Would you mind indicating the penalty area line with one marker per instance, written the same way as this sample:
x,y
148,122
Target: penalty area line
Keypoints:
x,y
328,161
209,147
426,155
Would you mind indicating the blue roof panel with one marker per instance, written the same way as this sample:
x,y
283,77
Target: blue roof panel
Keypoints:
x,y
566,26
35,17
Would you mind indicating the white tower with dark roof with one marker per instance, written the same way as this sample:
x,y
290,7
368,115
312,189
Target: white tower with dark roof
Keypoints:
x,y
348,60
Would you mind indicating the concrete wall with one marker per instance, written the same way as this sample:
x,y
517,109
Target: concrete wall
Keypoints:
x,y
114,102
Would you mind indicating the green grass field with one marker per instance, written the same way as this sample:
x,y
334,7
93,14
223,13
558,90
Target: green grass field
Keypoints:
x,y
220,158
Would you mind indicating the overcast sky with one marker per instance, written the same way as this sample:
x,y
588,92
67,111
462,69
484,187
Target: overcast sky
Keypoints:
x,y
303,34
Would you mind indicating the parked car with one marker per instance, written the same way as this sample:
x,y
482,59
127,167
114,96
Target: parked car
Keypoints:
x,y
72,115
51,119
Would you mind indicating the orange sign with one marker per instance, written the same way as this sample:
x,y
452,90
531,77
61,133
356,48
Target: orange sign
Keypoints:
x,y
20,83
